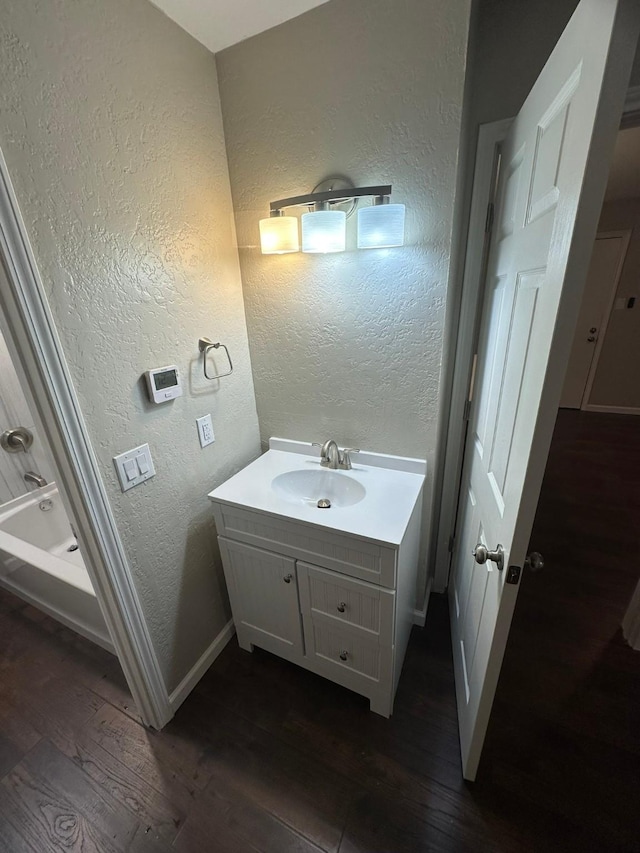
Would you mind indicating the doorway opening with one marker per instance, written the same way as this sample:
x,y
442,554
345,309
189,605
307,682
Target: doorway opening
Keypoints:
x,y
554,162
563,733
117,621
602,370
53,628
40,559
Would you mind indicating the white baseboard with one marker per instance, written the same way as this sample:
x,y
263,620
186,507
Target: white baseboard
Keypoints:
x,y
420,616
613,410
177,696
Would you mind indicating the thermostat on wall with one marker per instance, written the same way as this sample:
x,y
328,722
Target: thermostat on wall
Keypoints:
x,y
163,384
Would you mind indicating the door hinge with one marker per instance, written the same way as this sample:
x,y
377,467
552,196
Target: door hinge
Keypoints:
x,y
488,225
452,542
467,410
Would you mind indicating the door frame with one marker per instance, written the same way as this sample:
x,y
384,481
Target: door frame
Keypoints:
x,y
625,234
39,360
455,397
490,139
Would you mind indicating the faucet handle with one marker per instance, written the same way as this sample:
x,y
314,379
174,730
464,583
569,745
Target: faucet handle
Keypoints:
x,y
345,459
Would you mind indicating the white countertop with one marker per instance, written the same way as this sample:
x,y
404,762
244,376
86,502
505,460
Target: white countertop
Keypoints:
x,y
393,486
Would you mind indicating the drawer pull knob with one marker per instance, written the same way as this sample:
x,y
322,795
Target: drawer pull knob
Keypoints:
x,y
287,578
342,607
344,654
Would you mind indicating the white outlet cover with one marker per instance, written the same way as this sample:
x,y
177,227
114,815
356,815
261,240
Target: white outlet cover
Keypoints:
x,y
205,430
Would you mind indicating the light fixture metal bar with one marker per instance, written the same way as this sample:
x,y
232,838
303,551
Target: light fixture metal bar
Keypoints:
x,y
330,195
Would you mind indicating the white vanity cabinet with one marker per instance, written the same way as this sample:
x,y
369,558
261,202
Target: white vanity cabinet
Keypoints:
x,y
330,589
336,604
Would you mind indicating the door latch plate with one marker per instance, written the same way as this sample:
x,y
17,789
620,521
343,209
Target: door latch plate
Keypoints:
x,y
513,574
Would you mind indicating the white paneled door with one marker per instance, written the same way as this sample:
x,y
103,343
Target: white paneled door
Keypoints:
x,y
553,171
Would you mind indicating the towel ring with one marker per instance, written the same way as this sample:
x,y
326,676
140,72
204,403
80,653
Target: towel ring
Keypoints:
x,y
204,345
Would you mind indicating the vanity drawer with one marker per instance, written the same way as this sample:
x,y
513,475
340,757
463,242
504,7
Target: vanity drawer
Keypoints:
x,y
350,555
346,656
334,597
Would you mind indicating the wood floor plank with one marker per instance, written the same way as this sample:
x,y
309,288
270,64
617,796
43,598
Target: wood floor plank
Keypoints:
x,y
197,836
379,824
56,709
156,813
60,810
307,796
98,670
17,736
224,812
11,819
147,755
146,840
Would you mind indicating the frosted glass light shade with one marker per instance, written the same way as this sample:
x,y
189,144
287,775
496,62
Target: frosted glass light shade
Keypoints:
x,y
381,226
324,231
279,235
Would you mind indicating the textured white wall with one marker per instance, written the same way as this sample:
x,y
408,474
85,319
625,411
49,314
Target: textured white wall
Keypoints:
x,y
349,345
112,131
14,412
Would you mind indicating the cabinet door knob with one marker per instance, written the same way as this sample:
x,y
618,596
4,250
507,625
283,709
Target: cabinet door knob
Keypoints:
x,y
344,654
287,578
342,607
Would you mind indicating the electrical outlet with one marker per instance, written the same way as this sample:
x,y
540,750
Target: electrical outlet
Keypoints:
x,y
205,430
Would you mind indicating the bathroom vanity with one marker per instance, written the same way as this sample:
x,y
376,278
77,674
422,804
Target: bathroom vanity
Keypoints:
x,y
331,589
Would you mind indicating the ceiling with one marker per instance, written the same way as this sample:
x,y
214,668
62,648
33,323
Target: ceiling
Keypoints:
x,y
221,23
624,176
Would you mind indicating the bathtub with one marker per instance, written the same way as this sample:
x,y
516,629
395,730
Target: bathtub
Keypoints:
x,y
40,562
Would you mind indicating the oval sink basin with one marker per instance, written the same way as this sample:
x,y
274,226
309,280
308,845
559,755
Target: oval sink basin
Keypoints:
x,y
311,486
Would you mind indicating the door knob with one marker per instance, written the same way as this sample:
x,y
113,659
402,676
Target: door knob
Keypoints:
x,y
591,338
287,578
534,561
593,330
482,554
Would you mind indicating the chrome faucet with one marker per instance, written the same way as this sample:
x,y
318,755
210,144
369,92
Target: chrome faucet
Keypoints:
x,y
329,454
32,477
331,457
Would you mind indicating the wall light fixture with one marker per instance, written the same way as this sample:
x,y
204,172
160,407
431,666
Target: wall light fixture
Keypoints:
x,y
279,234
380,225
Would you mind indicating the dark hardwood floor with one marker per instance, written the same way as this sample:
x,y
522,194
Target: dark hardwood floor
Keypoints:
x,y
266,757
564,738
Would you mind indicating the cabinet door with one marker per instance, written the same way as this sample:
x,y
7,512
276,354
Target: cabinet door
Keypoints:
x,y
263,590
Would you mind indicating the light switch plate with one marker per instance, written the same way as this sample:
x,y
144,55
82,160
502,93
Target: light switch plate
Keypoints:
x,y
134,467
205,430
